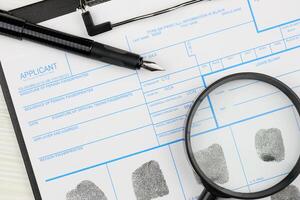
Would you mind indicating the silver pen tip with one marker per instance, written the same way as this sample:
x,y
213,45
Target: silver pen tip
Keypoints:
x,y
152,66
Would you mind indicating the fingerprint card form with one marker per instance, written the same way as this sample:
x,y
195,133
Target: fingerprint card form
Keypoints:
x,y
86,190
149,182
212,162
269,145
289,193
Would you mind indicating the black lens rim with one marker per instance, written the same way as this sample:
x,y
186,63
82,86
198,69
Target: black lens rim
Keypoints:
x,y
213,188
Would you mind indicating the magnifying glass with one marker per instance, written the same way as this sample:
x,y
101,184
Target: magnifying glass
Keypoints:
x,y
255,151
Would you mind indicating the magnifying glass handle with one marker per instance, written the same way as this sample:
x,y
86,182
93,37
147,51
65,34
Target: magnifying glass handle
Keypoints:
x,y
205,195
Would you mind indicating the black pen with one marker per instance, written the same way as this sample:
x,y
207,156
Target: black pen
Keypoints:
x,y
21,29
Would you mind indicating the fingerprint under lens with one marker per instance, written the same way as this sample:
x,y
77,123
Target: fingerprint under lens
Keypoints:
x,y
213,163
269,145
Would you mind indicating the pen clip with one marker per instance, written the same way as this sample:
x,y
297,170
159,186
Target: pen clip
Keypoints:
x,y
82,5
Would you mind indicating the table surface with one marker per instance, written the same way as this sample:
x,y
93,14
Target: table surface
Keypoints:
x,y
14,183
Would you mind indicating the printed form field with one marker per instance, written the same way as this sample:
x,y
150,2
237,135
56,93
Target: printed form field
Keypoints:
x,y
269,14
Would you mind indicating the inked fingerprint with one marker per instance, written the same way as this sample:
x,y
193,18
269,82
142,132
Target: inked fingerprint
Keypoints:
x,y
148,182
86,190
269,145
212,162
291,192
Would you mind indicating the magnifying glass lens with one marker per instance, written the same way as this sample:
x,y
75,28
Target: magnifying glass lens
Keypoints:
x,y
255,143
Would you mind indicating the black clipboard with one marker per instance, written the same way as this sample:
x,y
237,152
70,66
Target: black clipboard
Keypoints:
x,y
36,13
46,10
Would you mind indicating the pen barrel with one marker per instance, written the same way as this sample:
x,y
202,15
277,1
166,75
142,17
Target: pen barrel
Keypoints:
x,y
18,28
10,25
116,56
21,29
57,39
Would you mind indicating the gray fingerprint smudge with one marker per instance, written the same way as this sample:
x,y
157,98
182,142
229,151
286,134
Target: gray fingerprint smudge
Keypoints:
x,y
148,182
86,190
269,145
212,162
289,193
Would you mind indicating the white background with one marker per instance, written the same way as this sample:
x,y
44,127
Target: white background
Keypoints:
x,y
14,184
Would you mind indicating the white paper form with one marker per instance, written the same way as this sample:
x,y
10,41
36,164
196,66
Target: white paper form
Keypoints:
x,y
85,120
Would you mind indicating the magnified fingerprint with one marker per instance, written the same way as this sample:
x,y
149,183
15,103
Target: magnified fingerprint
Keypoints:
x,y
289,193
86,190
269,145
148,182
212,162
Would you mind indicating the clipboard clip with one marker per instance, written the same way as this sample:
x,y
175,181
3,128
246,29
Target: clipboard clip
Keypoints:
x,y
91,28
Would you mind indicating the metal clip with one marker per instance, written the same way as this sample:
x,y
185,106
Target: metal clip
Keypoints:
x,y
95,2
82,5
92,28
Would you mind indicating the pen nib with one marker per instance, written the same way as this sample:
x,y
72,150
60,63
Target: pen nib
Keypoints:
x,y
152,66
